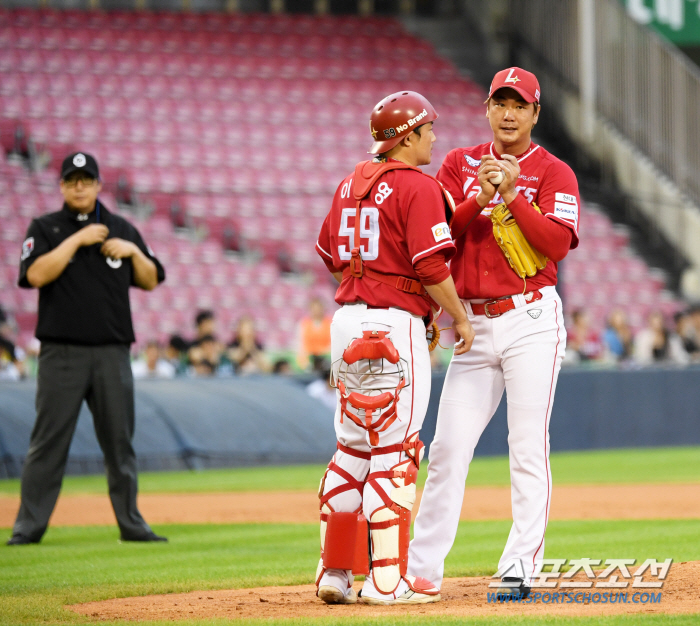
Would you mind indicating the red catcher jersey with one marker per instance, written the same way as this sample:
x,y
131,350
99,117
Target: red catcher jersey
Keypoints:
x,y
479,267
403,221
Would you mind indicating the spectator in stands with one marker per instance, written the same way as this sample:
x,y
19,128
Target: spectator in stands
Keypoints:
x,y
10,366
30,363
151,364
176,353
618,339
205,357
688,328
321,389
282,367
655,344
314,337
245,351
582,339
205,321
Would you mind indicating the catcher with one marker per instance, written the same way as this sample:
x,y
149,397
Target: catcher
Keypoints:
x,y
386,240
516,218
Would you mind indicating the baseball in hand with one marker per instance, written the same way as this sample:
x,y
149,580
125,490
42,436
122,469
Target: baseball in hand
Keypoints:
x,y
496,178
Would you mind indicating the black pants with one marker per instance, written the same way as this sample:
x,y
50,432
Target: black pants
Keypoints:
x,y
69,374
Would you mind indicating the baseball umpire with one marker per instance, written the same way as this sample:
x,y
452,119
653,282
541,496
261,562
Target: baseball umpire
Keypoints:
x,y
386,241
83,259
517,217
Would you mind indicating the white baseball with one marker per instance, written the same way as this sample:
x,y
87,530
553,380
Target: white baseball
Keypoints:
x,y
496,178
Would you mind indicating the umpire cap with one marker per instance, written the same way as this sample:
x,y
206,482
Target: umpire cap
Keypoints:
x,y
79,162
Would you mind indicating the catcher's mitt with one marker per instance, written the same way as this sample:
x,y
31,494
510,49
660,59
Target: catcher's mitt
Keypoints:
x,y
523,258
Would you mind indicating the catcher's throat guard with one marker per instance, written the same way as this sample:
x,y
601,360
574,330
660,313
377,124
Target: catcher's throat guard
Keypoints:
x,y
370,376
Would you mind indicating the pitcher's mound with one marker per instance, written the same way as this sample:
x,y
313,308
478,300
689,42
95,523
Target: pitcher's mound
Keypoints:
x,y
461,597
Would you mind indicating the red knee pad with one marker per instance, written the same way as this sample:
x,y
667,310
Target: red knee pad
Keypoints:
x,y
347,543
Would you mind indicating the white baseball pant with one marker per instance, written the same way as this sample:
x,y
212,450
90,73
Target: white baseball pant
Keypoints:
x,y
522,352
408,336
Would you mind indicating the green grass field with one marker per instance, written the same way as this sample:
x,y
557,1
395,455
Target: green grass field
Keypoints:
x,y
74,565
647,465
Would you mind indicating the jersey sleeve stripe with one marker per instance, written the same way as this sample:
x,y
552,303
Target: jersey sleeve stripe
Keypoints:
x,y
448,242
324,252
573,223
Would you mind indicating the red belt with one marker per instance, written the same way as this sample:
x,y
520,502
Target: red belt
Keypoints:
x,y
496,308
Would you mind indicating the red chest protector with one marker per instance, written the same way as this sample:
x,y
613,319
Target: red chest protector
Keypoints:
x,y
366,175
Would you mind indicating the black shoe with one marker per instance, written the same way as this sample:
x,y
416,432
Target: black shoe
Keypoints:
x,y
512,589
149,536
20,540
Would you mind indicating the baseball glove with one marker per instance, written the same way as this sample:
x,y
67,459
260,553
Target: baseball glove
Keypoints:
x,y
523,258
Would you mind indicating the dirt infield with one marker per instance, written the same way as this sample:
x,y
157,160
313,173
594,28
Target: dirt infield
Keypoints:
x,y
663,501
463,597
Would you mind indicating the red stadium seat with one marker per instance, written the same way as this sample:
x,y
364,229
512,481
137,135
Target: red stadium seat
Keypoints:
x,y
200,111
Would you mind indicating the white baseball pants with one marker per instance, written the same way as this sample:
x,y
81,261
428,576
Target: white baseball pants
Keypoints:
x,y
522,352
408,336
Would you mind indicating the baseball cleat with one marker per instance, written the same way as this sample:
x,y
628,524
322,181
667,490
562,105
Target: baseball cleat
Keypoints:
x,y
512,588
414,597
407,597
332,595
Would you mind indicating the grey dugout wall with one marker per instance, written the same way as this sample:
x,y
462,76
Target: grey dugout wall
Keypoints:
x,y
186,423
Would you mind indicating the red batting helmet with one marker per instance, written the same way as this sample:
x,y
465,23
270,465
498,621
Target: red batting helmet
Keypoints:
x,y
396,116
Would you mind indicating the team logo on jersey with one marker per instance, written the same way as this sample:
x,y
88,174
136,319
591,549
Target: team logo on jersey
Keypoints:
x,y
534,313
113,263
472,162
441,232
27,248
79,160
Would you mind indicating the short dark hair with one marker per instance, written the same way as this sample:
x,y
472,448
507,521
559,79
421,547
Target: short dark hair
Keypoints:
x,y
280,365
203,316
178,343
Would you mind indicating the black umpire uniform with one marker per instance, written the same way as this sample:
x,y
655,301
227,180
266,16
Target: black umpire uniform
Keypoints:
x,y
85,330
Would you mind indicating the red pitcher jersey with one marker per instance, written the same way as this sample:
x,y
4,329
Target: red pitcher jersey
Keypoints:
x,y
403,221
479,267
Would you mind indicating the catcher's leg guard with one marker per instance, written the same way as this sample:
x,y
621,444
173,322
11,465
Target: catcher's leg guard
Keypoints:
x,y
347,543
390,523
342,522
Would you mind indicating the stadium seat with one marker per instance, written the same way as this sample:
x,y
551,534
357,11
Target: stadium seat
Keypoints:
x,y
214,120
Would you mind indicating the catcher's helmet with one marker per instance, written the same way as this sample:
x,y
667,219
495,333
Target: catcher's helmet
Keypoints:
x,y
397,116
